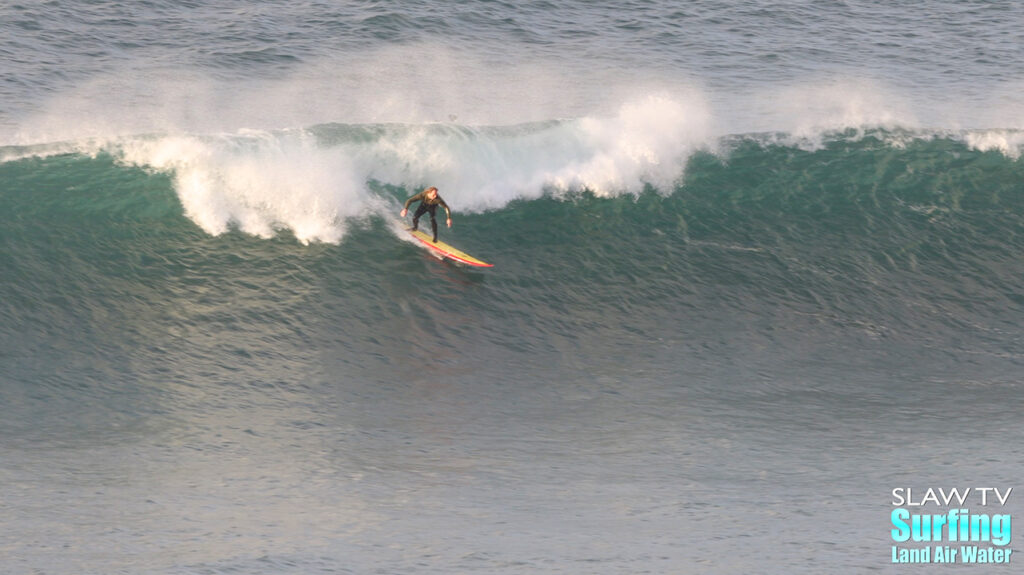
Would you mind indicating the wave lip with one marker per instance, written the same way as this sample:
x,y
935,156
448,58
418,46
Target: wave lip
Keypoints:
x,y
320,180
315,181
1010,143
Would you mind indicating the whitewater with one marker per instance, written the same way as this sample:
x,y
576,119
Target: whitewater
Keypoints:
x,y
329,171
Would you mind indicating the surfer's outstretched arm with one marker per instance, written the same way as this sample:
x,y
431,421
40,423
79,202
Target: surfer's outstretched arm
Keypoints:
x,y
418,197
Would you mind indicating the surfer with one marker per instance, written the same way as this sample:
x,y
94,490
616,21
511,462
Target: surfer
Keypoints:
x,y
429,200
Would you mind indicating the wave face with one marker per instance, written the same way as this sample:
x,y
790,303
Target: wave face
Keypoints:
x,y
887,239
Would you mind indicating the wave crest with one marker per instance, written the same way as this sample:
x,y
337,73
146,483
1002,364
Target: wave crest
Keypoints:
x,y
314,181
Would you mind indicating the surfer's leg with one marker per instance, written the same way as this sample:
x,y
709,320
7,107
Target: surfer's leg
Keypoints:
x,y
420,210
433,220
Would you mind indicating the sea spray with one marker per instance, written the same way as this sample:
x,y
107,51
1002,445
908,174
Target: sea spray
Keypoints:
x,y
312,181
257,181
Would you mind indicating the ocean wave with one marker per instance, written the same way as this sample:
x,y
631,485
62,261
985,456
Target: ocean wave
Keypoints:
x,y
882,234
316,181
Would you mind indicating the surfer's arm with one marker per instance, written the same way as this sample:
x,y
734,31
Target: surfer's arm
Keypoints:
x,y
418,197
415,198
447,213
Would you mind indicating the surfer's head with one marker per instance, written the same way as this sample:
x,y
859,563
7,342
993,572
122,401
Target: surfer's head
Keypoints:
x,y
431,192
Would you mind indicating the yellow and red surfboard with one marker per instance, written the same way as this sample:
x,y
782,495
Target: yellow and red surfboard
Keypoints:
x,y
447,251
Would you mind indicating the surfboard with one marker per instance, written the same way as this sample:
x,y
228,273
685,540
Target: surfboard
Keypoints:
x,y
447,251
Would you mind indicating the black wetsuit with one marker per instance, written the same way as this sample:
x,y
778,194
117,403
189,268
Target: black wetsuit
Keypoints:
x,y
427,205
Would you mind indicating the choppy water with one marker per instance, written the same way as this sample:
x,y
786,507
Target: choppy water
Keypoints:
x,y
756,265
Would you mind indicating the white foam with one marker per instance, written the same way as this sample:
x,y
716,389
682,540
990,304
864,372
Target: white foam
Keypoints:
x,y
250,153
259,182
1008,142
316,182
647,142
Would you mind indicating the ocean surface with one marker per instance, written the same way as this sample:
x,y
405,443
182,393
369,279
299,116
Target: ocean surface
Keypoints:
x,y
756,265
